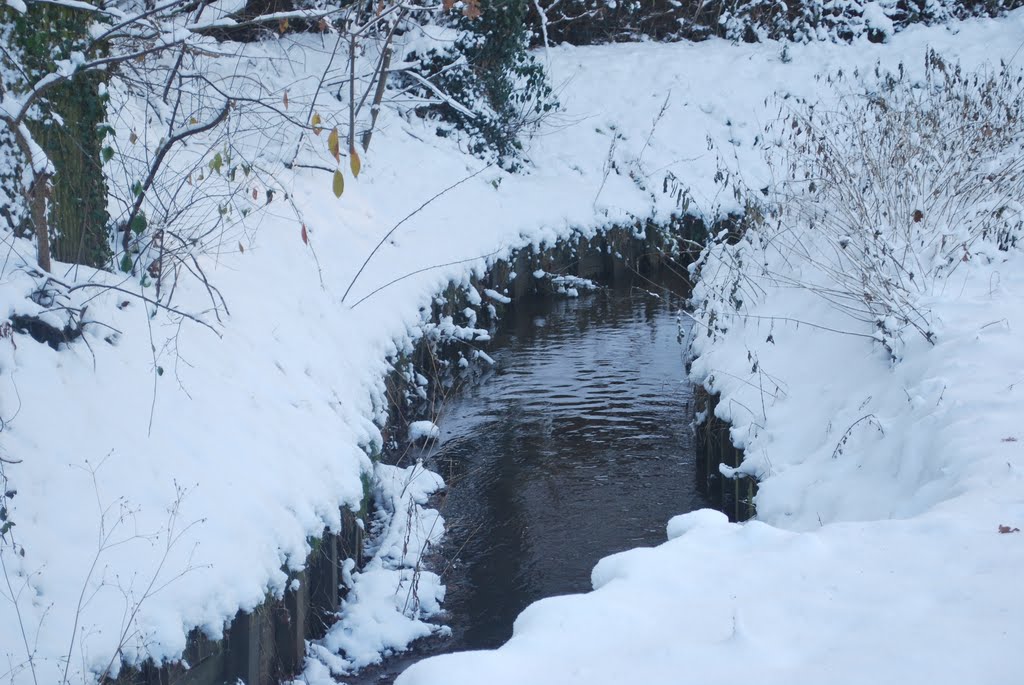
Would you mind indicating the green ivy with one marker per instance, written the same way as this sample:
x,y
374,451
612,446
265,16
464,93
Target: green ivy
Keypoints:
x,y
70,125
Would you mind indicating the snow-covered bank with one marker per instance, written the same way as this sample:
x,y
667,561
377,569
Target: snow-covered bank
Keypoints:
x,y
267,426
886,563
887,544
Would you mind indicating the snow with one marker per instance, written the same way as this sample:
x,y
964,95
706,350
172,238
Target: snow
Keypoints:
x,y
211,459
496,296
876,18
392,596
423,430
882,549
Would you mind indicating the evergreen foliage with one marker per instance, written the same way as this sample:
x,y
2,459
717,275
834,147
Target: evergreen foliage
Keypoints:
x,y
69,124
495,90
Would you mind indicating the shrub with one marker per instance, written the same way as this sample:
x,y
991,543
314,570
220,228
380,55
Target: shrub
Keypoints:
x,y
494,89
882,194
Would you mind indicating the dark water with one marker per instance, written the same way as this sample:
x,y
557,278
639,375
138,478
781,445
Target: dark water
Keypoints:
x,y
576,446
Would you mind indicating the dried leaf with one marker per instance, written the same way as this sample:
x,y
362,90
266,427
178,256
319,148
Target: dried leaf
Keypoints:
x,y
339,183
305,235
333,145
241,249
322,25
282,25
471,8
132,138
354,162
285,92
315,123
1007,529
255,193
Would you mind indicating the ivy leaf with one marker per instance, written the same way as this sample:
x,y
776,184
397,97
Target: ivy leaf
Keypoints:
x,y
107,154
126,264
339,183
216,163
137,188
139,223
332,144
354,161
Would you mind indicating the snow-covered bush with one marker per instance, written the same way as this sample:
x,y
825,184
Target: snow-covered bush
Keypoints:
x,y
484,81
879,197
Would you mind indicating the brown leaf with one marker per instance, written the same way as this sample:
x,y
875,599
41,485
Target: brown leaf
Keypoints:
x,y
305,236
471,8
255,193
1007,529
918,216
241,248
285,92
282,25
133,138
322,25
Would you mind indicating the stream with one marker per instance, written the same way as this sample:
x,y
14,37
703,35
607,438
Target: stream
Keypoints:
x,y
576,445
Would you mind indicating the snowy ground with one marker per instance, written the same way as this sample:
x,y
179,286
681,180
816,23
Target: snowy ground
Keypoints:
x,y
266,427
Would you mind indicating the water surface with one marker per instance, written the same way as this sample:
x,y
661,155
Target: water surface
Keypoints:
x,y
575,446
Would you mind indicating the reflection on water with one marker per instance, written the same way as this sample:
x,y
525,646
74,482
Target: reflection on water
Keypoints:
x,y
575,447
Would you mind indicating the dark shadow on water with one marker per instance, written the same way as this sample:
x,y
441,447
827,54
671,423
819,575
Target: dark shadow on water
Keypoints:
x,y
575,447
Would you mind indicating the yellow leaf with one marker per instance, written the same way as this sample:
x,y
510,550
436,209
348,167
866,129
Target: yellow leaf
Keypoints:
x,y
332,144
354,162
315,123
282,26
339,183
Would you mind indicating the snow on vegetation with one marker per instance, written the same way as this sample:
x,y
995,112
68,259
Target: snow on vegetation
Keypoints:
x,y
390,599
423,430
169,474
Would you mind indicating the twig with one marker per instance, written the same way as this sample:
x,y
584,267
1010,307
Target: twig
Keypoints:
x,y
406,218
